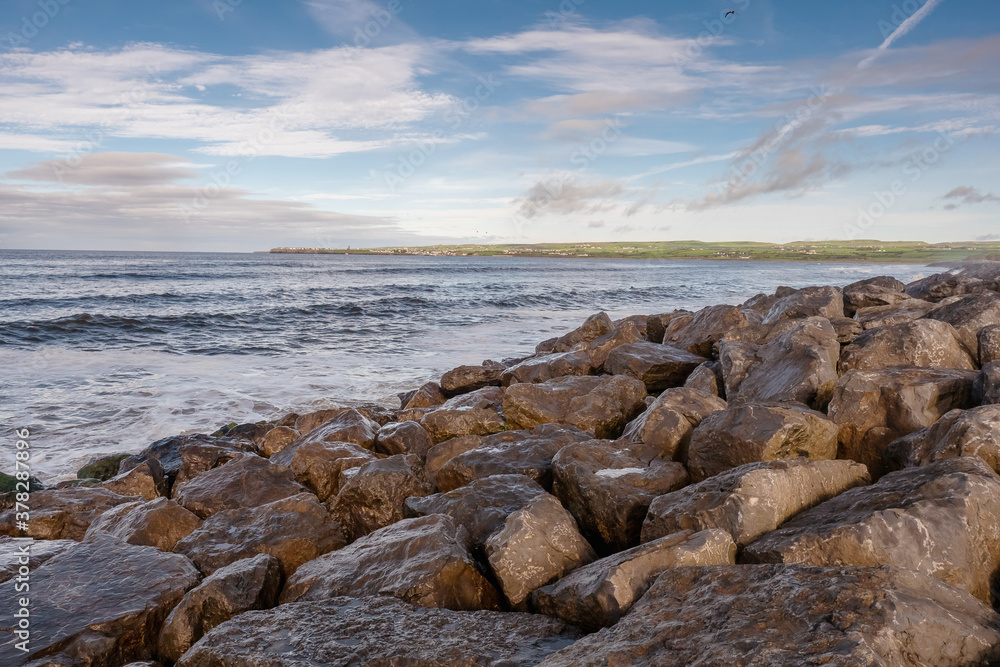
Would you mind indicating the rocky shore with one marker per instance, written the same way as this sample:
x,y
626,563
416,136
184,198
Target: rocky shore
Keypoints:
x,y
810,477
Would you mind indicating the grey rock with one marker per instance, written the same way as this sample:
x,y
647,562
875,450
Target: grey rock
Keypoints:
x,y
924,343
968,315
904,311
880,291
707,379
974,432
989,344
659,367
987,386
824,301
705,329
17,552
940,286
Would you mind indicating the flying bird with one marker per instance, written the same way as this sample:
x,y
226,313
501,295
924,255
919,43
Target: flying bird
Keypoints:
x,y
731,11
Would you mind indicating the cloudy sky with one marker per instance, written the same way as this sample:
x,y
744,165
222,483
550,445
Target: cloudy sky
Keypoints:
x,y
247,124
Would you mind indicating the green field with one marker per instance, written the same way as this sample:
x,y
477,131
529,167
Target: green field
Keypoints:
x,y
909,252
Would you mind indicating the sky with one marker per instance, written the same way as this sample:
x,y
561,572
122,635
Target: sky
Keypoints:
x,y
248,124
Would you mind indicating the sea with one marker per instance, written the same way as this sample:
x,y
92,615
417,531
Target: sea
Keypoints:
x,y
106,352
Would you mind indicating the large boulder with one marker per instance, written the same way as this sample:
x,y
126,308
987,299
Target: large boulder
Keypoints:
x,y
751,432
594,327
99,603
659,367
666,425
880,291
968,315
373,497
798,365
705,329
197,458
657,325
708,379
608,490
348,425
160,523
873,408
513,452
974,432
825,302
15,551
62,514
989,344
547,367
904,311
780,615
251,583
441,453
538,544
427,396
987,386
378,631
146,480
941,519
277,439
753,499
464,379
598,595
167,452
925,343
940,286
294,530
317,465
423,560
482,506
597,350
599,405
444,423
247,481
403,438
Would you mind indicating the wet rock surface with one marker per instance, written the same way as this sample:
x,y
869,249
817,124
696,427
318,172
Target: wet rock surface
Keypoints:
x,y
659,367
779,615
969,315
62,513
379,632
938,519
925,343
974,432
987,384
666,425
423,560
317,465
160,523
247,481
873,292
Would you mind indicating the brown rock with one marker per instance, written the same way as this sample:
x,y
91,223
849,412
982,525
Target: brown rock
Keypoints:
x,y
780,615
294,530
656,325
348,426
799,365
752,499
904,311
547,367
989,344
443,424
598,595
464,379
707,379
598,349
373,498
596,326
167,452
99,603
317,465
403,438
251,583
974,432
873,408
427,396
666,426
313,420
987,386
658,366
968,315
441,453
526,453
425,561
924,343
940,286
379,631
146,480
735,360
752,432
63,514
277,439
160,523
599,405
939,519
705,329
880,291
244,482
539,543
825,302
13,551
197,458
608,490
847,329
482,506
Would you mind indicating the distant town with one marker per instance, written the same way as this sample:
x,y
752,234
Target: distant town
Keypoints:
x,y
914,252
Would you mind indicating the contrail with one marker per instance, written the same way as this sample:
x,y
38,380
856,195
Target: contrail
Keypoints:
x,y
904,27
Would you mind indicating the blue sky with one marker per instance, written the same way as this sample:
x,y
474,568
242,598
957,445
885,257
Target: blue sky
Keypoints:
x,y
247,124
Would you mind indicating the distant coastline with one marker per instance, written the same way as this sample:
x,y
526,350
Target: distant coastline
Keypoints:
x,y
867,251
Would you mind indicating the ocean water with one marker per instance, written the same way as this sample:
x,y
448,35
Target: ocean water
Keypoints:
x,y
106,352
